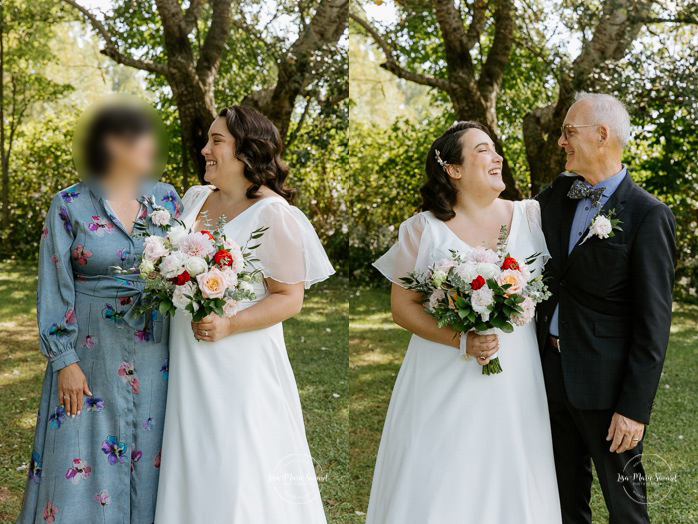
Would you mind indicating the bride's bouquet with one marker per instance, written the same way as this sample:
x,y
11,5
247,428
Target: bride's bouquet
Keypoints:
x,y
201,272
483,290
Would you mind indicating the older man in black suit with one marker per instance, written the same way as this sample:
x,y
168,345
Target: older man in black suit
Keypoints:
x,y
603,334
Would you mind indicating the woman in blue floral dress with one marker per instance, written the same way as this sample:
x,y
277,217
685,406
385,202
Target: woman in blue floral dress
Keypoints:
x,y
96,453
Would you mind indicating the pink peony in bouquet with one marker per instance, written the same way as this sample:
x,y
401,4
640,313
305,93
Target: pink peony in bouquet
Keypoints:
x,y
201,272
482,290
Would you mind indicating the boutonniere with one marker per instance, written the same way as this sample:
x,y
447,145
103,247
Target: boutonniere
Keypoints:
x,y
603,226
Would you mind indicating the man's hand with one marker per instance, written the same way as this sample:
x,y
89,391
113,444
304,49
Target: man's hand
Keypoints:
x,y
72,384
626,433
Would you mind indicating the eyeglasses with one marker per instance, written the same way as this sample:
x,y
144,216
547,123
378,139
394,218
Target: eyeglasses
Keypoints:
x,y
564,130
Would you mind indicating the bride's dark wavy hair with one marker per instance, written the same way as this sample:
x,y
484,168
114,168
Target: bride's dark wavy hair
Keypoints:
x,y
258,145
439,194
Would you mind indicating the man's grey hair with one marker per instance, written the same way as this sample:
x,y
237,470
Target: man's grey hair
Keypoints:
x,y
609,111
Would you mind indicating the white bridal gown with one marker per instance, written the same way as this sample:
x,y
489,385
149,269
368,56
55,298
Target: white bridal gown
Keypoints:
x,y
234,446
459,446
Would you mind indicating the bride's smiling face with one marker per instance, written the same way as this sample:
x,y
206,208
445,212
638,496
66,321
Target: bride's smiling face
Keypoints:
x,y
219,153
480,171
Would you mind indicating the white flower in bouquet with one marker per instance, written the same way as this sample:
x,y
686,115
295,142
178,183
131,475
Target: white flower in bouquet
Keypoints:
x,y
601,227
154,248
482,255
435,297
195,266
438,277
488,270
173,264
238,259
213,283
147,268
445,265
482,299
231,277
529,309
514,278
176,234
197,245
246,286
467,271
231,308
160,217
179,299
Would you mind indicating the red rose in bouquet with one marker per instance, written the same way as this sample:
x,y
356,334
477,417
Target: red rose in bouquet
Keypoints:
x,y
510,263
182,278
223,258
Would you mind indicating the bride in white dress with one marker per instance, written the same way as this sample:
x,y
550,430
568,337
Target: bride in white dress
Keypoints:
x,y
459,446
234,446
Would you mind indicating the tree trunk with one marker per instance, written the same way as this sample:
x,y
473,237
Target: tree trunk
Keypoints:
x,y
4,160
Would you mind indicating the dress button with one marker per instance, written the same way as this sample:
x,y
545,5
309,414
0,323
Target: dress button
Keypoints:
x,y
586,208
579,234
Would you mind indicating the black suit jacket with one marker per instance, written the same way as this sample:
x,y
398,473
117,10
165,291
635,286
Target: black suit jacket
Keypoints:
x,y
615,297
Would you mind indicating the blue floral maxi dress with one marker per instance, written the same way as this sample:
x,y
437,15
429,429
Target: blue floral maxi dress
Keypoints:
x,y
101,466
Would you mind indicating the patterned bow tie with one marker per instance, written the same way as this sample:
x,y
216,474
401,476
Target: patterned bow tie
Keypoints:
x,y
581,189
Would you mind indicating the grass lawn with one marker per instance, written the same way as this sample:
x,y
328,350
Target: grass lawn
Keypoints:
x,y
317,344
377,347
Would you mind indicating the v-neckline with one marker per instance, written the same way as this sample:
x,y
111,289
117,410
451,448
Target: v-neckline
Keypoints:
x,y
203,202
115,218
514,224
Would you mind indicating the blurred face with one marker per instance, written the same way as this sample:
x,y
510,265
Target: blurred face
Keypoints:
x,y
581,140
219,153
133,155
481,169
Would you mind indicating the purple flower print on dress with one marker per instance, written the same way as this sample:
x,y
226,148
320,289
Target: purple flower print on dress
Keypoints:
x,y
50,512
135,457
56,261
111,314
69,195
114,450
56,418
148,424
44,233
89,342
143,335
81,255
35,467
128,374
156,460
99,226
65,218
94,404
171,203
80,470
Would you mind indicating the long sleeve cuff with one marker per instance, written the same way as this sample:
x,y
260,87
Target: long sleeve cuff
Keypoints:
x,y
64,359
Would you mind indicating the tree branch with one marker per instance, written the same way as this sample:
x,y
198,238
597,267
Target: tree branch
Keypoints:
x,y
454,37
477,24
391,64
498,56
215,41
191,16
111,49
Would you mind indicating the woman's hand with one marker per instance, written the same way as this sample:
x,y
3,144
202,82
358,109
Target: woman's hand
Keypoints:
x,y
482,347
212,328
72,383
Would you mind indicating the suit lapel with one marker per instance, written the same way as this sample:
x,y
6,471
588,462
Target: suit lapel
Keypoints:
x,y
615,202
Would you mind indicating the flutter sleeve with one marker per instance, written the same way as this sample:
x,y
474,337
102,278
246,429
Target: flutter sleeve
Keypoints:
x,y
402,258
289,250
535,226
58,329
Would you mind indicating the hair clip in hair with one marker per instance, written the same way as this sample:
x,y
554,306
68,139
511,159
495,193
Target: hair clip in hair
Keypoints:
x,y
439,160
